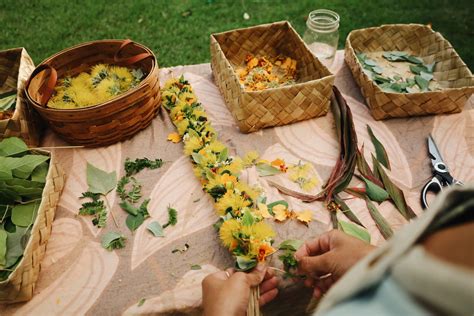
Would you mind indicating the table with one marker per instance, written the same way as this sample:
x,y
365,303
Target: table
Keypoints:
x,y
80,277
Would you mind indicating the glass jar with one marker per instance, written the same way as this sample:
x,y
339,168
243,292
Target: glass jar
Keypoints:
x,y
322,34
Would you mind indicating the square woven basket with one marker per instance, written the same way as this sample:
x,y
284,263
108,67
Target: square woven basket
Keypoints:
x,y
21,282
15,68
452,74
253,110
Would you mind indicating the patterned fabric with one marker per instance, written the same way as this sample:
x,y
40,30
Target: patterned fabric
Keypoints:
x,y
78,276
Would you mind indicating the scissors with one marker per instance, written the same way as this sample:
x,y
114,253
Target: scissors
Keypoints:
x,y
441,176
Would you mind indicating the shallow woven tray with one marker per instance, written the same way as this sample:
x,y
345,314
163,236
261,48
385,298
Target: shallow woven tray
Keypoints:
x,y
20,284
254,110
108,122
15,68
450,71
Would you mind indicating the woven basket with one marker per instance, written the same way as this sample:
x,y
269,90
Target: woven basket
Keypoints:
x,y
254,110
21,283
105,123
15,68
450,71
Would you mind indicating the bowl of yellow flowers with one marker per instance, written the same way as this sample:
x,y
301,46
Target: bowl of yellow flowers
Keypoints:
x,y
97,93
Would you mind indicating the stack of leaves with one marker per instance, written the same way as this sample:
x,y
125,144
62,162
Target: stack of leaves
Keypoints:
x,y
22,179
7,104
399,81
242,229
103,83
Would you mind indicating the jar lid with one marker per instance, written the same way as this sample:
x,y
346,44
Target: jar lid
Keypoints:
x,y
323,20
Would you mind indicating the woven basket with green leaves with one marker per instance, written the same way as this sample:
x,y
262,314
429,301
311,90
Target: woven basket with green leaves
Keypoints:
x,y
407,70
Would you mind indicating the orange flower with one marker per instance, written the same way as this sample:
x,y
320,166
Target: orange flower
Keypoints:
x,y
228,178
279,163
263,251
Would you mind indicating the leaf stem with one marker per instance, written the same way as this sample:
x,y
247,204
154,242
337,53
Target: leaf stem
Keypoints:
x,y
110,209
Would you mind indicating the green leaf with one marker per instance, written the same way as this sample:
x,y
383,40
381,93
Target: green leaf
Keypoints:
x,y
172,217
291,244
3,247
133,167
5,173
381,79
374,192
15,245
12,146
24,214
198,158
127,207
196,267
430,67
396,194
422,83
247,219
156,229
100,181
265,170
23,166
417,69
347,211
113,240
7,102
379,220
355,231
141,302
134,221
380,151
223,155
39,173
370,62
244,264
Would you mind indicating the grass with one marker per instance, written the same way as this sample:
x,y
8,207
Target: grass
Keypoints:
x,y
178,31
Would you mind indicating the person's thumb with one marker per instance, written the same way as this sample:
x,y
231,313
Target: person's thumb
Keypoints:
x,y
316,265
255,277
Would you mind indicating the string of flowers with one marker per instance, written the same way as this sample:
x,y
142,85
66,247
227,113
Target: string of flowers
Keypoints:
x,y
241,226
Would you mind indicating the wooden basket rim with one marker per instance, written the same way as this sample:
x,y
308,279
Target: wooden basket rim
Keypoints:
x,y
37,219
93,107
281,88
376,87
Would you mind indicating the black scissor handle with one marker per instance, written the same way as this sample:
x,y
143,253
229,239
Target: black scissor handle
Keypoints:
x,y
434,185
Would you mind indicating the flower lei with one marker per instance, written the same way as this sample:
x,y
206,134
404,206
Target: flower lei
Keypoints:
x,y
241,226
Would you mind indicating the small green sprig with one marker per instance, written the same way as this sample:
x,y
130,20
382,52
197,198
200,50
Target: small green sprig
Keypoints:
x,y
133,167
172,217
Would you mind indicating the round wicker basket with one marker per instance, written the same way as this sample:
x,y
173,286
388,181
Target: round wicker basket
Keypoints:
x,y
109,122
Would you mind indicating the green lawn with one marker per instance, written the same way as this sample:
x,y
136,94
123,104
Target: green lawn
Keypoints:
x,y
178,31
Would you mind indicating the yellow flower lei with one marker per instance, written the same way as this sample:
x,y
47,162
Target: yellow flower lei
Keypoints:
x,y
241,226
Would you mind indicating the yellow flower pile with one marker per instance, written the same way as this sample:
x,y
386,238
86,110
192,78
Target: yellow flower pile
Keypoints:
x,y
242,229
104,82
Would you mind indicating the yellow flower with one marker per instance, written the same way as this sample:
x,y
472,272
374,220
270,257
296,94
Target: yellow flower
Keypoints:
x,y
250,159
188,97
259,231
95,70
260,250
230,202
192,144
304,216
226,178
215,146
252,193
227,231
235,167
174,137
182,126
122,72
104,88
170,83
310,184
281,212
262,211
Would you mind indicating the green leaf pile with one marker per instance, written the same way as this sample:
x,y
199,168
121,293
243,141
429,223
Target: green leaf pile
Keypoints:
x,y
22,179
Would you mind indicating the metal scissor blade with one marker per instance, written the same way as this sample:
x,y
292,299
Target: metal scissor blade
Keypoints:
x,y
433,151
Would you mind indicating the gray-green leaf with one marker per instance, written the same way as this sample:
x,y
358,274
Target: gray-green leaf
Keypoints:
x,y
426,75
100,181
244,264
113,240
421,82
355,231
156,229
265,170
127,207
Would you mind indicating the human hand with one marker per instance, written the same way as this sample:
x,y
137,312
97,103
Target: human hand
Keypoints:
x,y
228,292
324,259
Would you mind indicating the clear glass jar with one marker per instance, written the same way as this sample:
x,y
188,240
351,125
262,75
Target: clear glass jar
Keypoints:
x,y
322,34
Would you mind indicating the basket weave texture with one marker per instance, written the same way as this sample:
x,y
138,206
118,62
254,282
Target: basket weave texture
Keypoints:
x,y
15,68
254,110
450,71
20,284
108,122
